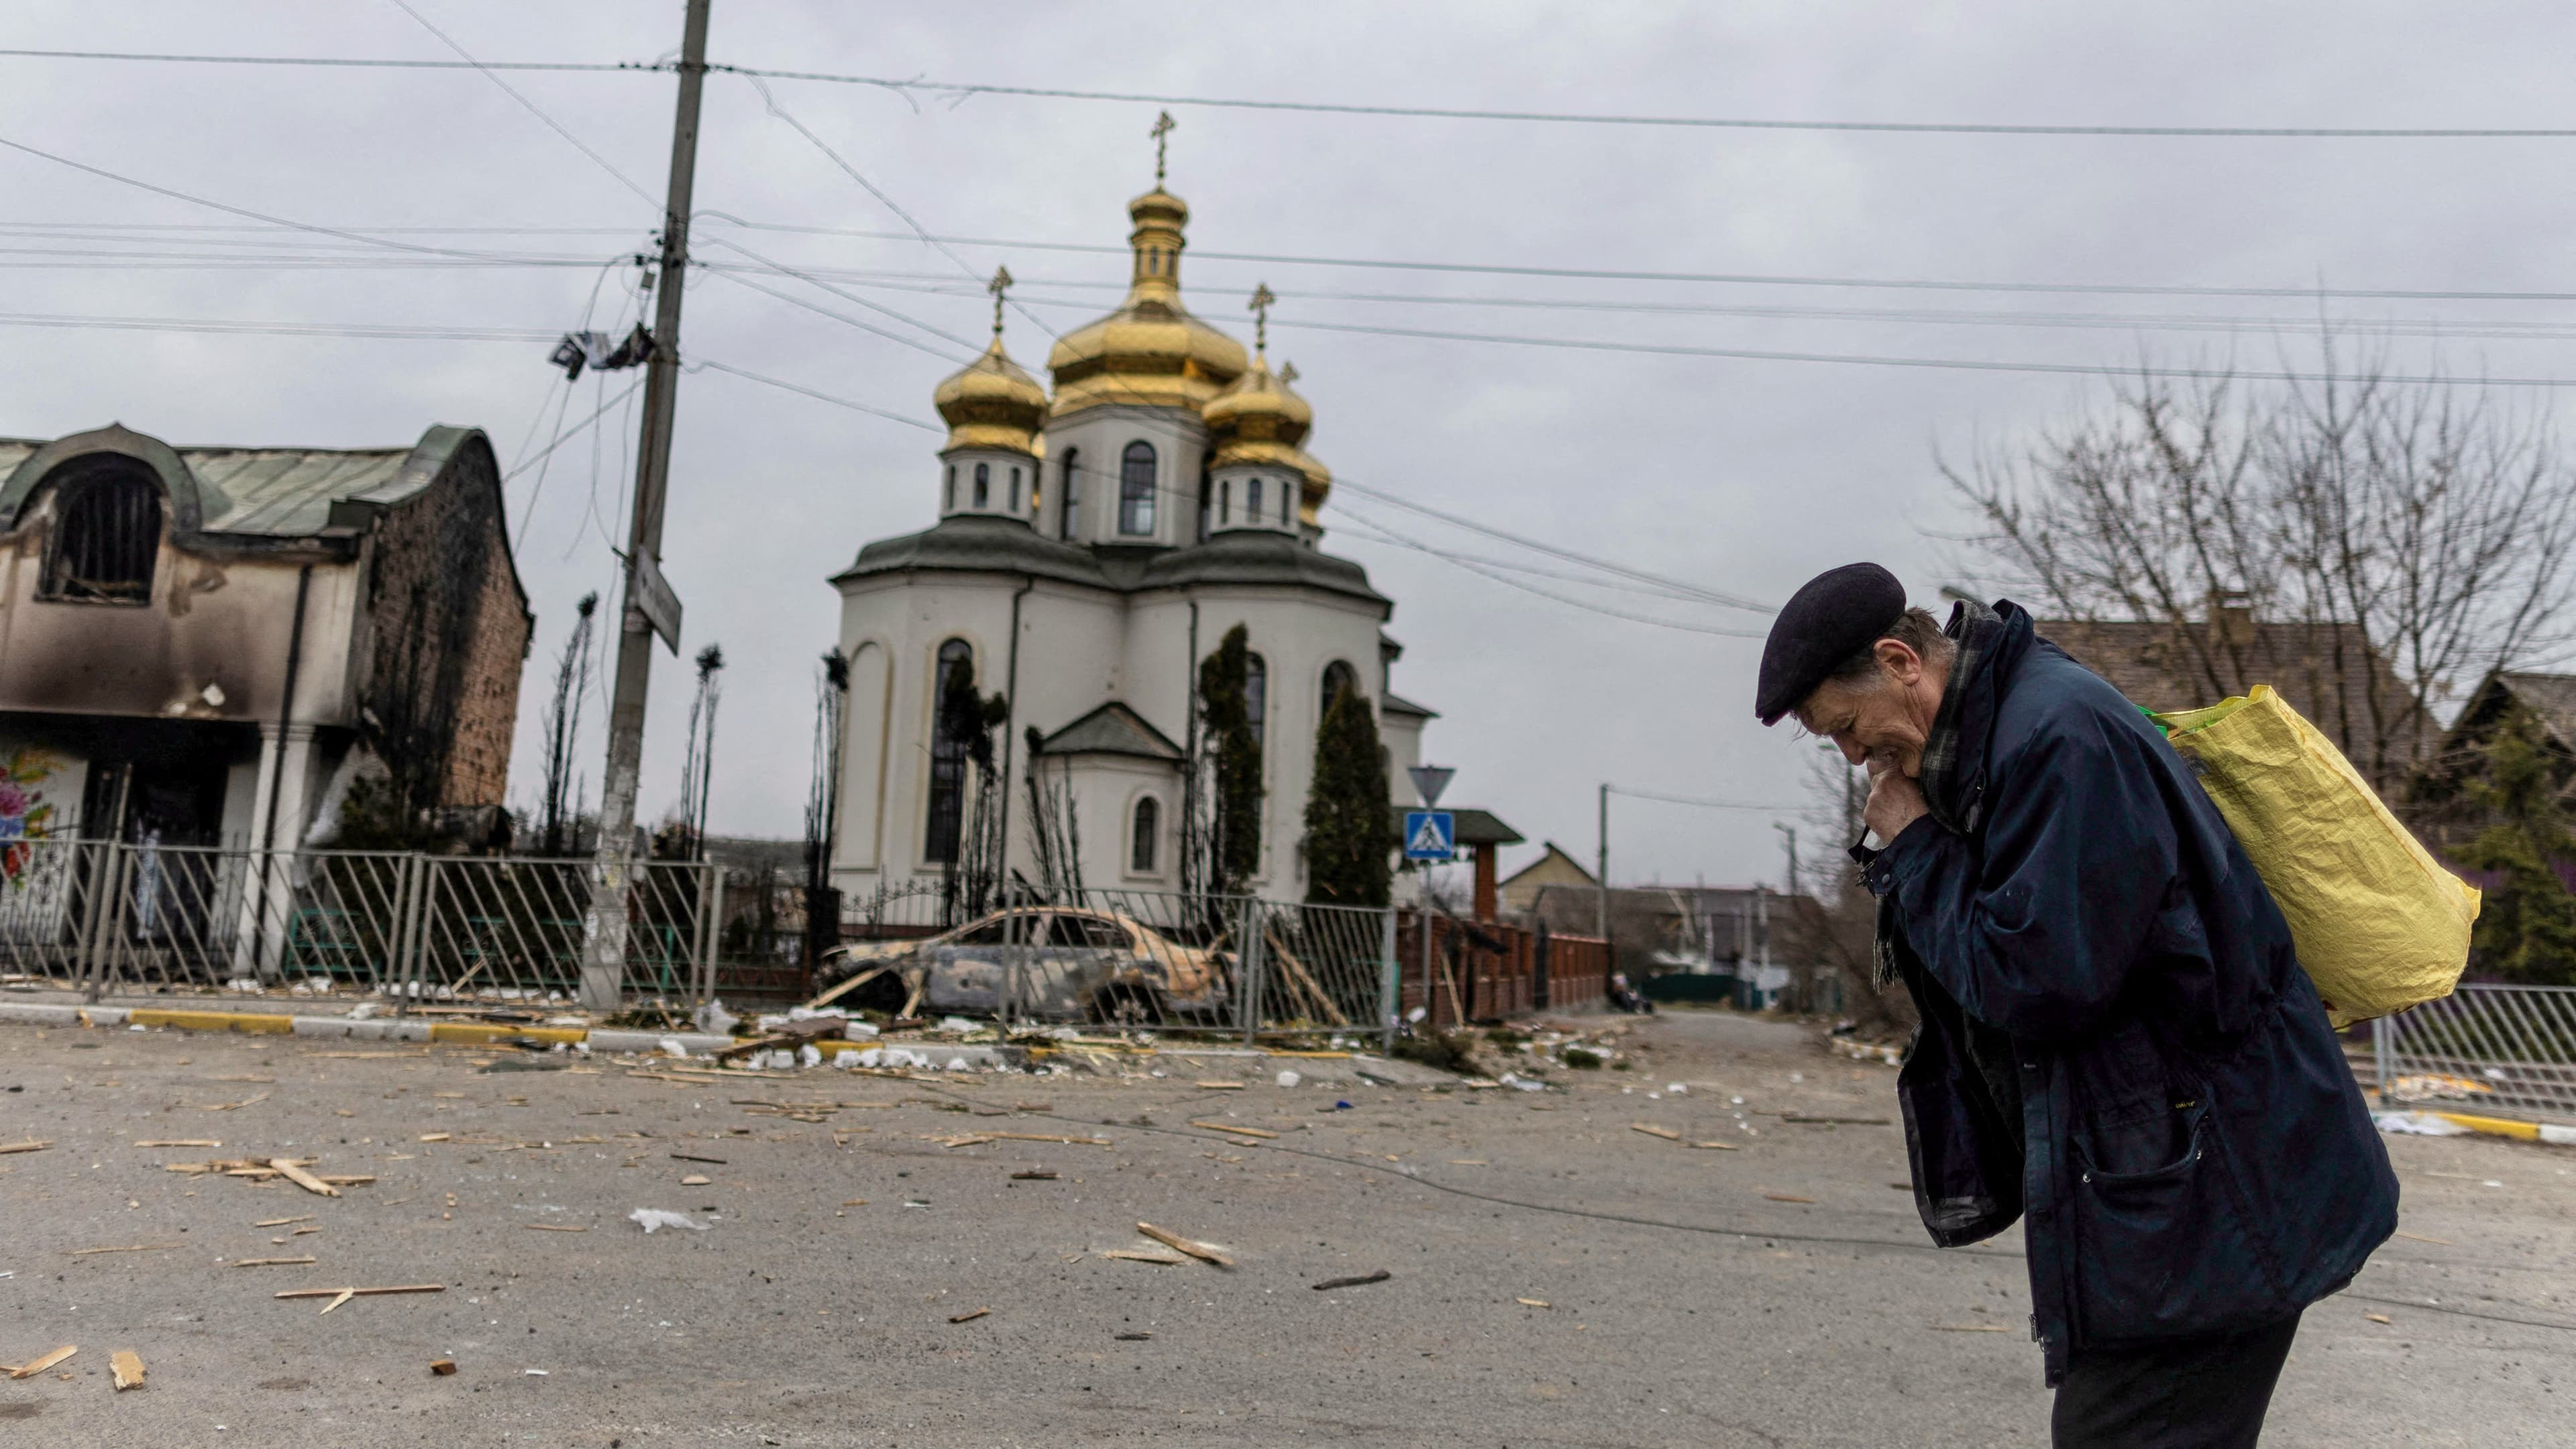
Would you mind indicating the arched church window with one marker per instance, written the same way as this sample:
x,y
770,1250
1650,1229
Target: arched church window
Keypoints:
x,y
1339,679
1225,503
1072,491
1136,489
950,497
955,716
1145,836
1252,501
1286,497
1256,692
107,532
983,485
1013,502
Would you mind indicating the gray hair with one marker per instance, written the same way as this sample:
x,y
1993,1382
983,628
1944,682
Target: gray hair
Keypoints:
x,y
1916,629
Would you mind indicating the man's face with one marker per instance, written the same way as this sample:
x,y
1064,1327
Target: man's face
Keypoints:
x,y
1883,721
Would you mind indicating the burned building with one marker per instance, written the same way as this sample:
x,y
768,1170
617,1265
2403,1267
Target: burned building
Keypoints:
x,y
219,646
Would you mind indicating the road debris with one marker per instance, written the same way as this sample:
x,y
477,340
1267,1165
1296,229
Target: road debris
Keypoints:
x,y
1039,1176
692,1157
295,1173
1836,1121
696,1179
1237,1131
1355,1281
33,1367
969,1316
127,1368
1533,1303
1135,1337
281,1222
1970,1328
1786,1197
30,1145
271,1262
361,1292
442,1366
653,1218
1141,1255
1716,1146
2380,1318
1196,1249
2418,1238
554,1227
343,1296
182,1142
1666,1133
133,1248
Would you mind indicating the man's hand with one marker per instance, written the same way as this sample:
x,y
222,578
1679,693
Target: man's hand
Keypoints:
x,y
1895,801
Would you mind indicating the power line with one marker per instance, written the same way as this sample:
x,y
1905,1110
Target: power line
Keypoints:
x,y
1960,364
558,127
907,87
222,326
1623,791
714,366
1569,600
1557,551
568,434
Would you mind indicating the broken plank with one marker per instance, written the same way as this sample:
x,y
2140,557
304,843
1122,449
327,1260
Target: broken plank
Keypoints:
x,y
343,1296
1355,1281
1137,1255
693,1157
281,1222
127,1366
1714,1146
182,1142
360,1292
30,1145
1786,1197
33,1367
347,1179
850,985
969,1316
1191,1246
1665,1133
1237,1131
1205,1086
136,1248
305,1180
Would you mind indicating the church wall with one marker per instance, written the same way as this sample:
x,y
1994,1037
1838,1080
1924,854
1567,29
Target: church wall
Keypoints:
x,y
1296,634
1100,436
864,719
1105,790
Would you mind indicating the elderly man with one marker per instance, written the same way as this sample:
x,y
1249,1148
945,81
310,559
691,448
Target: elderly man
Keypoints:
x,y
2118,1045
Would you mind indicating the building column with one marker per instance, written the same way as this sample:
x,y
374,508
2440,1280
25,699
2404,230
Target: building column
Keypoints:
x,y
268,891
1485,903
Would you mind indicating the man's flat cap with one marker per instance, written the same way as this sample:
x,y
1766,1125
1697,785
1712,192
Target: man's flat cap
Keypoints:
x,y
1835,615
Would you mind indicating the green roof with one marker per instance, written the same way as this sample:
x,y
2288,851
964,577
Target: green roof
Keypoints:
x,y
245,492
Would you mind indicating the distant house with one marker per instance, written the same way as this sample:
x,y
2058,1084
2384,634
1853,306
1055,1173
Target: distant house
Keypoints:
x,y
2446,808
2326,671
1553,873
212,646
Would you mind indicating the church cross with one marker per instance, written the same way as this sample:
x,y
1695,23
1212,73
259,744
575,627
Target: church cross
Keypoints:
x,y
1162,131
1288,374
999,286
1261,300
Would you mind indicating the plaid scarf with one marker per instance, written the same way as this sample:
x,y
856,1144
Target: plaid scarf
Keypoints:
x,y
1972,631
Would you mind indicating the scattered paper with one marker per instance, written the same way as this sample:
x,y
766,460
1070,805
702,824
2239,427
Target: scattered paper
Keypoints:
x,y
653,1218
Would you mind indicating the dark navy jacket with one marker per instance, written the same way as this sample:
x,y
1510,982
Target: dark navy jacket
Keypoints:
x,y
2117,1039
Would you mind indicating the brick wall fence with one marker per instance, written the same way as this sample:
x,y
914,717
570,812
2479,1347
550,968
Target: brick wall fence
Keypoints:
x,y
1485,971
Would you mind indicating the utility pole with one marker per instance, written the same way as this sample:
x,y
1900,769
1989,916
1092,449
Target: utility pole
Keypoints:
x,y
649,606
1790,831
1601,911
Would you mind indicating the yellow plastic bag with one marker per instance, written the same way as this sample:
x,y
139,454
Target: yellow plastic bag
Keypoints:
x,y
2379,924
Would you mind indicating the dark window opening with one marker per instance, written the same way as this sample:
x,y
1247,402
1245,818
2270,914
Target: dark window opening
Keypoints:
x,y
1225,503
1136,489
1286,495
1072,491
1252,501
1148,834
983,485
952,488
949,737
1339,678
107,532
1256,692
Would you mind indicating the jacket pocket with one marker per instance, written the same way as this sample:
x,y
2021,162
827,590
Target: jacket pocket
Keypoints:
x,y
2161,1248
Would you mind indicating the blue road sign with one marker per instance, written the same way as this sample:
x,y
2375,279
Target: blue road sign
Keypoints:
x,y
1430,835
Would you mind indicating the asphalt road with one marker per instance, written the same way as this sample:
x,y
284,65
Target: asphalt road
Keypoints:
x,y
1678,1294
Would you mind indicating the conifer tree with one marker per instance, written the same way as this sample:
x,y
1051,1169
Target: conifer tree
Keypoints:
x,y
2526,927
1350,836
1234,755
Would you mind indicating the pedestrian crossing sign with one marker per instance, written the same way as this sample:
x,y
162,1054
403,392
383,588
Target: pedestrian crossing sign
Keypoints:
x,y
1430,835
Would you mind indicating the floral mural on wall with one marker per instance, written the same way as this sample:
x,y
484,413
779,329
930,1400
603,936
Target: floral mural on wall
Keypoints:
x,y
24,814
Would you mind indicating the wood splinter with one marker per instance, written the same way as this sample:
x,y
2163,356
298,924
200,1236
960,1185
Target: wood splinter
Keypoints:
x,y
1177,1243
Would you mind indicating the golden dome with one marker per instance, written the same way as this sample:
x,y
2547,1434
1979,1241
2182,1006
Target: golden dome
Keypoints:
x,y
1259,422
1151,350
992,403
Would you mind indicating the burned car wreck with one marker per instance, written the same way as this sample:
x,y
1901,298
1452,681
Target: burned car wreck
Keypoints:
x,y
1052,963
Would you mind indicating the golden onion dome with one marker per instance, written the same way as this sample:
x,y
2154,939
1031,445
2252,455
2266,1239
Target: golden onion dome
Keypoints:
x,y
1259,422
1150,350
992,403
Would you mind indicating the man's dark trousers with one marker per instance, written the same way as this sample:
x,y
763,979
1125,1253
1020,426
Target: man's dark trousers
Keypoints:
x,y
2203,1393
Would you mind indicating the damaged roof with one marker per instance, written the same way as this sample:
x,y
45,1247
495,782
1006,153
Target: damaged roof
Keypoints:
x,y
260,492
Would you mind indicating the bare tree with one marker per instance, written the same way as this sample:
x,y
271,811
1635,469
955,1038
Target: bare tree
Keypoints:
x,y
1838,932
2409,533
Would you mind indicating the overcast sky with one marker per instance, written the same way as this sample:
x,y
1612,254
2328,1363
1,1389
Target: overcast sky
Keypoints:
x,y
1741,476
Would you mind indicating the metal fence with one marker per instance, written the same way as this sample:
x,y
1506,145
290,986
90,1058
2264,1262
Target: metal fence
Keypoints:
x,y
110,917
2485,1047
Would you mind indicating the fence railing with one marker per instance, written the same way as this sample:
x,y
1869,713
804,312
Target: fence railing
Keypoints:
x,y
2484,1047
112,917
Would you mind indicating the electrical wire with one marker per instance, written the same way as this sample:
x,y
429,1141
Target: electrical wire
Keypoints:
x,y
1628,794
566,435
1509,582
1952,364
907,87
490,74
820,310
369,330
1554,550
714,366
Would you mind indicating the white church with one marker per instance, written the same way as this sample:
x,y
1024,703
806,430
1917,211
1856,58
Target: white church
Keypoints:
x,y
1094,544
